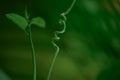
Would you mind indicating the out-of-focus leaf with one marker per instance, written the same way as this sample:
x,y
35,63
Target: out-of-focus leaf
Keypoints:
x,y
38,21
3,76
17,19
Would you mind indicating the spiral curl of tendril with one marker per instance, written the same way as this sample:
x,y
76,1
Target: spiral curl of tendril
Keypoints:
x,y
56,37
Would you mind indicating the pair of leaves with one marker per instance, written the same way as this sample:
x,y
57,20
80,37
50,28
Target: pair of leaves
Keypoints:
x,y
22,22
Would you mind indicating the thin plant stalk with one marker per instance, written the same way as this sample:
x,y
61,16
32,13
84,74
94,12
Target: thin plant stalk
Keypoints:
x,y
56,37
33,52
53,61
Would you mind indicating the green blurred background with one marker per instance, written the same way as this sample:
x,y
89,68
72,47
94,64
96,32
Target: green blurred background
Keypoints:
x,y
89,49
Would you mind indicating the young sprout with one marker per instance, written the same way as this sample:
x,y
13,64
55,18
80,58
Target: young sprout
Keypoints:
x,y
25,24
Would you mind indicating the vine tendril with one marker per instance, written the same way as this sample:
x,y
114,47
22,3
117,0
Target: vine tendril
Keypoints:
x,y
56,37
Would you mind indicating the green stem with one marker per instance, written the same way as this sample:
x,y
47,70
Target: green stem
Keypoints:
x,y
33,53
70,8
56,37
54,59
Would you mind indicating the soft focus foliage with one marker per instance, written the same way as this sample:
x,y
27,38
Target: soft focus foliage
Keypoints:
x,y
89,49
19,20
38,21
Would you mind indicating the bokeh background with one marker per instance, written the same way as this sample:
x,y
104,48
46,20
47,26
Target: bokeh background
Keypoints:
x,y
89,49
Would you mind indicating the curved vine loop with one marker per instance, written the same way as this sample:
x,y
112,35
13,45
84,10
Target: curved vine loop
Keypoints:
x,y
56,37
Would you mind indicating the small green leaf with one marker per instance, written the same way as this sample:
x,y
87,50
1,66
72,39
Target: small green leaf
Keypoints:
x,y
38,21
17,19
